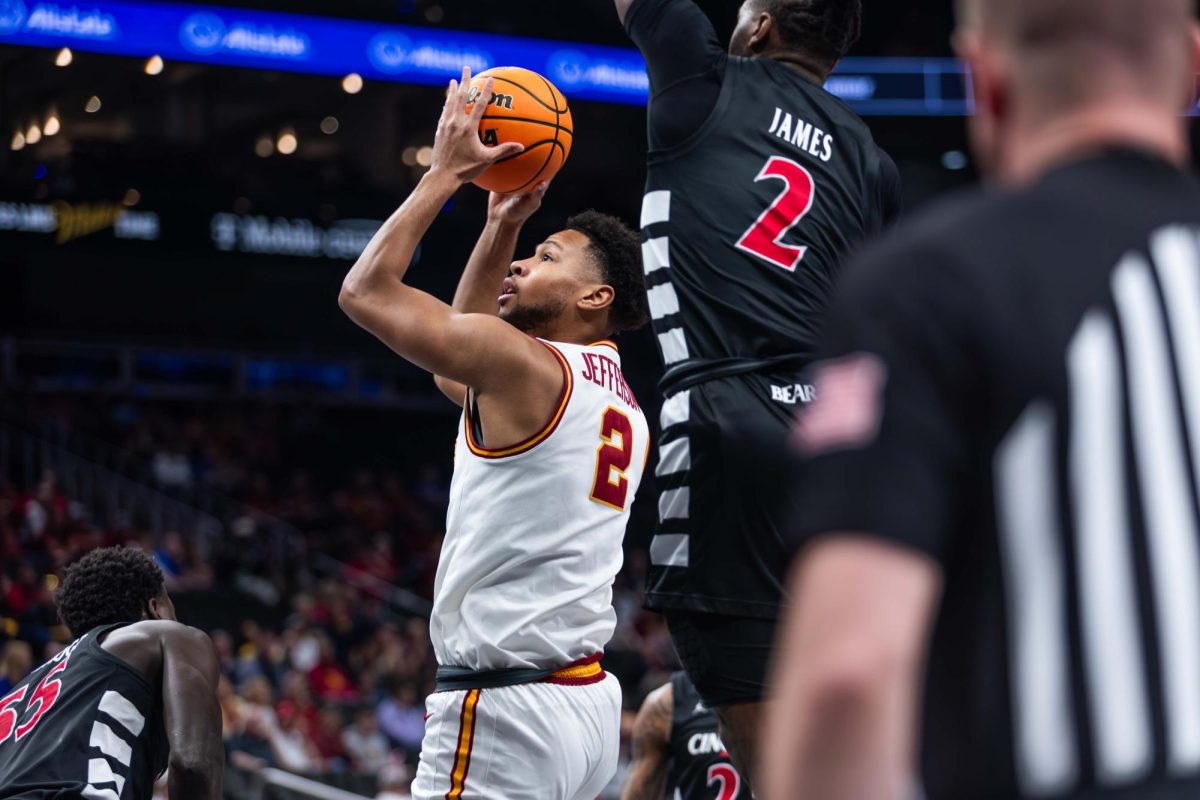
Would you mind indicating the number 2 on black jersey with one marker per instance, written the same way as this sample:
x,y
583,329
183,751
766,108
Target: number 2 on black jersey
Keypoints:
x,y
765,237
729,783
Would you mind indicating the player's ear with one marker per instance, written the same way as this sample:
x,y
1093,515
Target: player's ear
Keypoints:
x,y
161,608
760,33
992,77
966,44
597,298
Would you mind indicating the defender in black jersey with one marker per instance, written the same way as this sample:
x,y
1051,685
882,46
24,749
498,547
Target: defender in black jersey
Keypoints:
x,y
133,694
1001,493
677,751
758,185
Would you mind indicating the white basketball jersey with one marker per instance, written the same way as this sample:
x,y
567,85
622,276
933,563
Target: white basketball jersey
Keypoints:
x,y
534,531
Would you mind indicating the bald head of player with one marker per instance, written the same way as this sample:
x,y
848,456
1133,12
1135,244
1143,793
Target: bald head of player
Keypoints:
x,y
810,34
1053,78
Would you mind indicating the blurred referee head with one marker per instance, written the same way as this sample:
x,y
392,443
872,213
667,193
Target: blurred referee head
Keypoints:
x,y
1047,70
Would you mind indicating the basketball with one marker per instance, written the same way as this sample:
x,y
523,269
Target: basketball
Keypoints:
x,y
525,108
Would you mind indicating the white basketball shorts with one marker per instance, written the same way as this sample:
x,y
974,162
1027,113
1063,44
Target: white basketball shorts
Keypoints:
x,y
535,741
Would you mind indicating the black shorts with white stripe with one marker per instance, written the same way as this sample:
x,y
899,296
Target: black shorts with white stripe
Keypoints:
x,y
725,486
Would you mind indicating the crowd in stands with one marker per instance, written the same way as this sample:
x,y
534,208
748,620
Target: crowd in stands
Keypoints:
x,y
329,678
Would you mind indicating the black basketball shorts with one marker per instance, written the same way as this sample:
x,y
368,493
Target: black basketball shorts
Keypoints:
x,y
726,478
724,657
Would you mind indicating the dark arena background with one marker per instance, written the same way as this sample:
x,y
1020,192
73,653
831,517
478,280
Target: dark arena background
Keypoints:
x,y
182,190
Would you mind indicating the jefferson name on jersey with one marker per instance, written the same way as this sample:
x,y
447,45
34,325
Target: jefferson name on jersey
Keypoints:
x,y
606,373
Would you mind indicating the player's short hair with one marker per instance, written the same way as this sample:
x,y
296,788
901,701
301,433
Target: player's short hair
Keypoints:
x,y
617,253
824,29
108,585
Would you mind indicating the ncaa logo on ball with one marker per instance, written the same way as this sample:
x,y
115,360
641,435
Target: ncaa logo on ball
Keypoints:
x,y
12,16
389,52
202,33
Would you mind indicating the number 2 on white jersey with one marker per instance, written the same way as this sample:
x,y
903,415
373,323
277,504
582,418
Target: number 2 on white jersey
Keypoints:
x,y
613,456
765,237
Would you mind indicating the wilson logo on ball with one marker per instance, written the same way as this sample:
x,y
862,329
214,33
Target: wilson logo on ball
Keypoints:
x,y
498,100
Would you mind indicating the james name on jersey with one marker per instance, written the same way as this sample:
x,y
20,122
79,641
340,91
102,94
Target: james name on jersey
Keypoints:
x,y
805,135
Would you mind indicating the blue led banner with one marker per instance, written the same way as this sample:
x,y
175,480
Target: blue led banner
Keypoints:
x,y
319,45
324,46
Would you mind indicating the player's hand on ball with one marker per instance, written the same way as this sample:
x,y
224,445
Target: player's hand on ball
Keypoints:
x,y
514,209
457,150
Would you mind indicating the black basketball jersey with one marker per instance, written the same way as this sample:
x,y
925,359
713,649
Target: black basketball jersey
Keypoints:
x,y
747,223
1013,390
700,766
83,725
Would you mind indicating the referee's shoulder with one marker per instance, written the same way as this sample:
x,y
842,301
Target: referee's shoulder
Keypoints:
x,y
960,233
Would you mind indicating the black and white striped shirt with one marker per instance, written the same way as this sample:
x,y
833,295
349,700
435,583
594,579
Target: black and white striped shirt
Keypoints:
x,y
1014,390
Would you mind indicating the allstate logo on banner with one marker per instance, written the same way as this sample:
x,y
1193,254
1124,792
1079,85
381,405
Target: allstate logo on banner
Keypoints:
x,y
389,52
568,67
12,16
202,33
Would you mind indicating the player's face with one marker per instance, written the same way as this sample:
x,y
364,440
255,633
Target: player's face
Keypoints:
x,y
540,289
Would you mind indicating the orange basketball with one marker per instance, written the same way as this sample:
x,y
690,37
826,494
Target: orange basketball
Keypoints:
x,y
525,108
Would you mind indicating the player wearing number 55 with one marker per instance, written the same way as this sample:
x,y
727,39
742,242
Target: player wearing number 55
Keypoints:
x,y
550,451
135,692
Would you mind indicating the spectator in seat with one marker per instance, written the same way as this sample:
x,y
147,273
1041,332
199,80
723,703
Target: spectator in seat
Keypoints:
x,y
293,747
394,782
367,748
327,737
402,717
14,665
330,680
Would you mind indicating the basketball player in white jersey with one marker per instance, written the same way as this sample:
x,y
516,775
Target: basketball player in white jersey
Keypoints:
x,y
550,452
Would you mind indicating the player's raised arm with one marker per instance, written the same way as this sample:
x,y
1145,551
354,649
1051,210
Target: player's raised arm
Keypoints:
x,y
468,348
685,60
647,776
191,714
490,263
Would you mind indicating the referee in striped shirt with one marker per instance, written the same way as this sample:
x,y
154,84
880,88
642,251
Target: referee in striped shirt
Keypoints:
x,y
997,591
